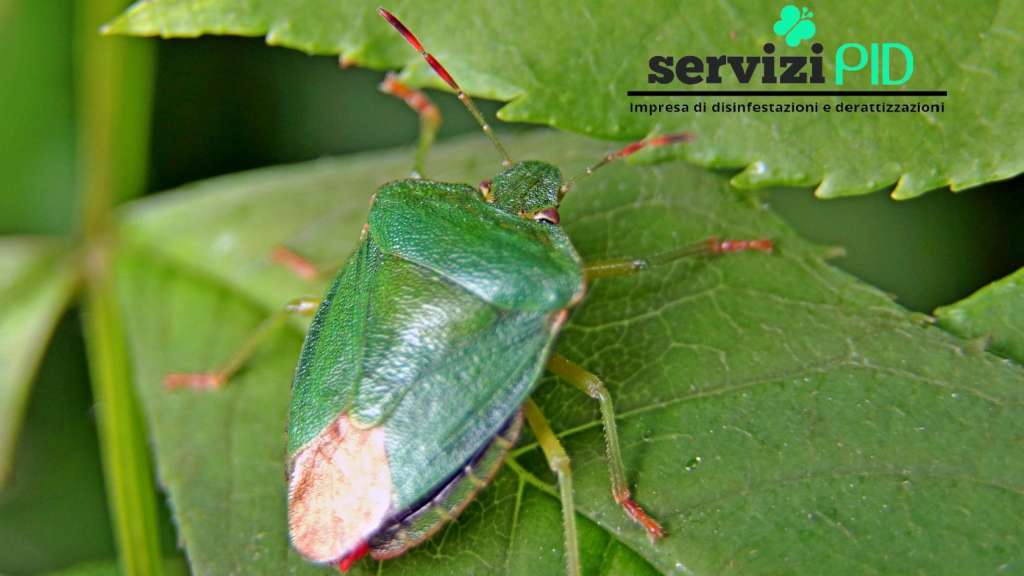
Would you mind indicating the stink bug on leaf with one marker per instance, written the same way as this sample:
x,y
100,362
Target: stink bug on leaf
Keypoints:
x,y
417,369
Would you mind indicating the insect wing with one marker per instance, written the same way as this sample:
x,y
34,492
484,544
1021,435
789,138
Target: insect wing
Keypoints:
x,y
454,410
328,365
403,378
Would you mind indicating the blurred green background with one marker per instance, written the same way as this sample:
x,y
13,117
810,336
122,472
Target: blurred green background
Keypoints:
x,y
222,105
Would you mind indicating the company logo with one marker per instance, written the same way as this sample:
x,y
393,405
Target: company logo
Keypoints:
x,y
888,63
795,25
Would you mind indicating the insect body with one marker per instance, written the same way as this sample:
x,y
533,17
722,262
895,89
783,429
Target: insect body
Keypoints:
x,y
415,375
422,352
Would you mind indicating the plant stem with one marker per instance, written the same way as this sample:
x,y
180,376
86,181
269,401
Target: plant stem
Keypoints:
x,y
114,81
126,464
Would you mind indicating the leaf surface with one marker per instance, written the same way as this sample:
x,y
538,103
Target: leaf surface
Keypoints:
x,y
36,282
570,66
995,313
777,415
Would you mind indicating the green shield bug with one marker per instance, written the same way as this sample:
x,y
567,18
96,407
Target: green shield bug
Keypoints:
x,y
416,373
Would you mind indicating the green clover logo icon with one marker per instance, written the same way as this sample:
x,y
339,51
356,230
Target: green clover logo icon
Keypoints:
x,y
795,25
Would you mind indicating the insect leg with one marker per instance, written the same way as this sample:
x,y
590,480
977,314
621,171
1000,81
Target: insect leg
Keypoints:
x,y
558,460
712,246
430,116
266,329
592,386
301,266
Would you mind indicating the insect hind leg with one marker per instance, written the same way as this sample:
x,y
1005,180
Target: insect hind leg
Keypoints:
x,y
558,460
430,116
592,386
218,378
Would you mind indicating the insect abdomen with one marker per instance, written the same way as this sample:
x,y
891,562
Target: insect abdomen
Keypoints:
x,y
417,526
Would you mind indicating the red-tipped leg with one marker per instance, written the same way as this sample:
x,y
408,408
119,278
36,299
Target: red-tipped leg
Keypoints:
x,y
345,563
637,514
194,381
716,246
430,116
215,380
295,263
588,383
415,99
712,246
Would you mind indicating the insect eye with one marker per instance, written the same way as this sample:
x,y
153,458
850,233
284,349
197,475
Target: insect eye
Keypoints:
x,y
547,216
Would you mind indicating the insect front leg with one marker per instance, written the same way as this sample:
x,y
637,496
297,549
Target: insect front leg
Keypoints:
x,y
430,116
592,386
216,379
558,460
711,246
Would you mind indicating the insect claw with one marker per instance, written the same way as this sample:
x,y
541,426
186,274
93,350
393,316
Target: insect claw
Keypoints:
x,y
716,246
637,514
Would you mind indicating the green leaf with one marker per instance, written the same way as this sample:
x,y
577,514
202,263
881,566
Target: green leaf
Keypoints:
x,y
994,314
172,566
777,415
570,67
36,281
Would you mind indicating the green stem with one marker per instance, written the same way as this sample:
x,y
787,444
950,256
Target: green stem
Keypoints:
x,y
114,81
126,465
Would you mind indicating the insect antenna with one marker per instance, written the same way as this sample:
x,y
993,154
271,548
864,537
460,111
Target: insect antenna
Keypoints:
x,y
627,151
443,73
